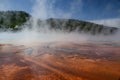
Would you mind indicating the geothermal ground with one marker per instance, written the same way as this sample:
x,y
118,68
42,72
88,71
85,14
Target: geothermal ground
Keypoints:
x,y
60,61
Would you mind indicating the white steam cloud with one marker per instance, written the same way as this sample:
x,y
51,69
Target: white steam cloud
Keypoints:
x,y
43,9
109,22
40,9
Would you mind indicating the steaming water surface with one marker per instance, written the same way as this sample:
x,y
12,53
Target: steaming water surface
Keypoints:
x,y
38,37
33,37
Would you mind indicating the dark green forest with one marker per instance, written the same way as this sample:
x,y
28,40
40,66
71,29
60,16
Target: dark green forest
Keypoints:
x,y
13,21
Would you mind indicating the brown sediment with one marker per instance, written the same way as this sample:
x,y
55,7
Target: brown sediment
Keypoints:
x,y
55,61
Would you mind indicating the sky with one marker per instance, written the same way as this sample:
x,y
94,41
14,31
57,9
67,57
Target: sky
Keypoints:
x,y
99,11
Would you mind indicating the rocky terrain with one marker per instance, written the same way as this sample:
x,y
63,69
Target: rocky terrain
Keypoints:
x,y
60,61
56,60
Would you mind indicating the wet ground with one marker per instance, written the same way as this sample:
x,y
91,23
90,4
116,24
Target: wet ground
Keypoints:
x,y
60,61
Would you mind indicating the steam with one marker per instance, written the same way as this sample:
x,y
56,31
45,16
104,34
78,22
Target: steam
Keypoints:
x,y
40,9
43,9
109,22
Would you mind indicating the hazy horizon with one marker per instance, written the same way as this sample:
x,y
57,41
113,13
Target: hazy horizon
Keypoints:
x,y
98,11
